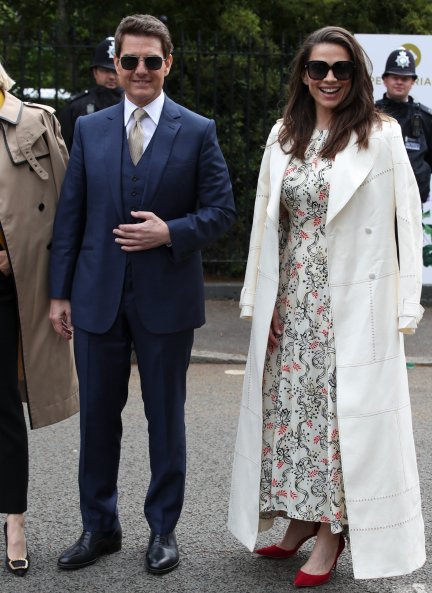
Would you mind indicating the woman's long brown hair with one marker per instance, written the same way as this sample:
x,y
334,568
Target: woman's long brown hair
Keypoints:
x,y
356,112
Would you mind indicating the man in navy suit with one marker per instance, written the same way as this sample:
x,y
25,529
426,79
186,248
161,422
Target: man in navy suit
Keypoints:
x,y
143,193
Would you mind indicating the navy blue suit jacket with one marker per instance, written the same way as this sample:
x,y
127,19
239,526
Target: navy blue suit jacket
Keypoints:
x,y
188,187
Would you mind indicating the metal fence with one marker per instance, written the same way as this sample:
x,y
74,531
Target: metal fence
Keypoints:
x,y
241,87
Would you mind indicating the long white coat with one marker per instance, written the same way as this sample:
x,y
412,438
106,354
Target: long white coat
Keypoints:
x,y
374,300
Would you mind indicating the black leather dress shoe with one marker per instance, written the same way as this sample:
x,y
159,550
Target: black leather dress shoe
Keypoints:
x,y
162,553
89,547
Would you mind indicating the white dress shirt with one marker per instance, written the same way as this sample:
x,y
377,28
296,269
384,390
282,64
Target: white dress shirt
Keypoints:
x,y
148,124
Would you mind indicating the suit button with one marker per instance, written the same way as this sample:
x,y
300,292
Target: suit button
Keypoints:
x,y
133,193
368,231
41,207
134,178
372,276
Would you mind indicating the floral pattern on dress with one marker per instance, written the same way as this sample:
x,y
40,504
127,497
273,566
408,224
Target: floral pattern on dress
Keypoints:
x,y
301,473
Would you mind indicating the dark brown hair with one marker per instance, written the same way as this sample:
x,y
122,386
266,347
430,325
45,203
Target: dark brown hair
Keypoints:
x,y
356,112
143,24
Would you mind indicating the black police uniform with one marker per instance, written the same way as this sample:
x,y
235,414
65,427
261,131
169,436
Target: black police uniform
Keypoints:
x,y
85,103
96,98
415,120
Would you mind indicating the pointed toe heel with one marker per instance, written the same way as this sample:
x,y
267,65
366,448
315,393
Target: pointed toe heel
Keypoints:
x,y
304,579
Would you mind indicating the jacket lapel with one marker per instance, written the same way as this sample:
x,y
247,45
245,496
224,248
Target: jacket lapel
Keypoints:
x,y
166,131
112,148
350,169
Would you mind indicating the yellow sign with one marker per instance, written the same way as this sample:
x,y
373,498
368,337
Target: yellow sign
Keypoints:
x,y
415,51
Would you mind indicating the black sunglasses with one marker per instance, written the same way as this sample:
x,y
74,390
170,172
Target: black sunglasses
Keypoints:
x,y
318,70
151,62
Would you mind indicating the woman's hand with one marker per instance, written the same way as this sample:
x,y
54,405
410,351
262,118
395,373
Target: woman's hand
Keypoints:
x,y
4,264
276,328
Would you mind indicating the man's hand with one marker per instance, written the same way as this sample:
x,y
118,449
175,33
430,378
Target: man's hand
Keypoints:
x,y
4,264
152,232
60,317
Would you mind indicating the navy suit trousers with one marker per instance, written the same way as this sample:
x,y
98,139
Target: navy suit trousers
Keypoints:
x,y
103,366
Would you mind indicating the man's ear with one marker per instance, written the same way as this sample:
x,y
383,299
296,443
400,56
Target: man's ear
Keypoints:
x,y
168,63
116,63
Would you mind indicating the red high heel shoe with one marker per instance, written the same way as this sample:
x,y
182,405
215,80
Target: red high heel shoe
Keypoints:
x,y
303,579
277,552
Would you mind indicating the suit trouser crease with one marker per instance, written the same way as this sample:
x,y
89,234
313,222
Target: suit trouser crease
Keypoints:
x,y
103,366
14,463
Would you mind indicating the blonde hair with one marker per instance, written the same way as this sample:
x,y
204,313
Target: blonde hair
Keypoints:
x,y
6,81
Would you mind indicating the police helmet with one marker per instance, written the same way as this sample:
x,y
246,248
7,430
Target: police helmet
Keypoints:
x,y
104,54
400,63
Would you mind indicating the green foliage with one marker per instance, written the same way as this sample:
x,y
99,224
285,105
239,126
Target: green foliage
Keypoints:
x,y
427,255
427,249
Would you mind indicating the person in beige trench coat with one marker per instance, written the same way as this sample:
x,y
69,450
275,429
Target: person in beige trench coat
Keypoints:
x,y
36,365
374,300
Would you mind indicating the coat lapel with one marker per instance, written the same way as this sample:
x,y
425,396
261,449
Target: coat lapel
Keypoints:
x,y
349,170
112,147
166,131
11,109
278,164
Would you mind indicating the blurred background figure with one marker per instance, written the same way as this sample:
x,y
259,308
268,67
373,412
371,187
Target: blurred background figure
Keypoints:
x,y
414,118
104,94
36,365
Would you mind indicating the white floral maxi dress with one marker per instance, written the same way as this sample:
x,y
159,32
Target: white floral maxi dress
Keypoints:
x,y
301,475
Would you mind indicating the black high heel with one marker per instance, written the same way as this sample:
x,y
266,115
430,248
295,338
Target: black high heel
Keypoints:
x,y
19,566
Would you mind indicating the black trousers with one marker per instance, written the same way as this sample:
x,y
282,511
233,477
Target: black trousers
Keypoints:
x,y
13,431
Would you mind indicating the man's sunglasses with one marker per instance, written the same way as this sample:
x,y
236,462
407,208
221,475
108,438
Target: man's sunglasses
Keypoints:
x,y
151,62
318,70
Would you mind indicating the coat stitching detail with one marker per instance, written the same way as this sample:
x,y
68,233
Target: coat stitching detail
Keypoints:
x,y
377,413
368,362
394,495
372,322
389,526
380,174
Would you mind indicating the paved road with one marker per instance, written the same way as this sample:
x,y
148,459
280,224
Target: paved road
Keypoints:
x,y
212,560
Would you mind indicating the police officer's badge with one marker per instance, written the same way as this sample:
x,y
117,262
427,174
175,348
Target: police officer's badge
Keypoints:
x,y
402,59
111,50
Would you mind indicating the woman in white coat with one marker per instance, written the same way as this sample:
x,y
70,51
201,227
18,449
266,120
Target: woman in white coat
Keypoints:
x,y
325,437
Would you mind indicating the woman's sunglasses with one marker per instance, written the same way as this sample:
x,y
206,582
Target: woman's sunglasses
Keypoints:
x,y
151,62
318,70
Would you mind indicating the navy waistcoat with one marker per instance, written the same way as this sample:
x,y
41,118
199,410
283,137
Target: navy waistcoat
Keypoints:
x,y
134,179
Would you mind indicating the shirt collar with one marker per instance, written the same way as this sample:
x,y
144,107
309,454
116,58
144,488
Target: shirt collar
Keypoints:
x,y
153,109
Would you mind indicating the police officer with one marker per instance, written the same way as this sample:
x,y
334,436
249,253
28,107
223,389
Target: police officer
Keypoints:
x,y
104,94
414,118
